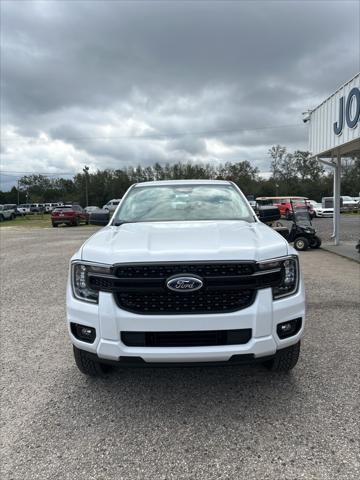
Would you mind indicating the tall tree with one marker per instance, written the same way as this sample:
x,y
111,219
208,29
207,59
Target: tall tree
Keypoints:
x,y
306,167
277,154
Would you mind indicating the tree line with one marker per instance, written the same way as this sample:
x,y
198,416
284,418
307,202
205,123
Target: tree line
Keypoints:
x,y
291,174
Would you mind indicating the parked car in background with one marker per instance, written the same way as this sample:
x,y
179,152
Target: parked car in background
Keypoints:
x,y
13,207
6,213
91,209
37,208
321,211
112,205
99,217
49,207
24,208
69,215
283,204
349,203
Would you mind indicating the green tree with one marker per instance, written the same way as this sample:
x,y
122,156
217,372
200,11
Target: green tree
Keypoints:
x,y
307,168
277,154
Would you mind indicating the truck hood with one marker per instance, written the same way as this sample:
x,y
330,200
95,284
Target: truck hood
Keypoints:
x,y
184,241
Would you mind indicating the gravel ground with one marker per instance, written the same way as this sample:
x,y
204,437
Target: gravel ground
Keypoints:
x,y
184,423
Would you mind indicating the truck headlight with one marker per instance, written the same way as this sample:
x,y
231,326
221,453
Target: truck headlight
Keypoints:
x,y
289,268
289,278
79,280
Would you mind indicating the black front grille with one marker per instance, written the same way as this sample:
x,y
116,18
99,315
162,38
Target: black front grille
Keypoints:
x,y
186,339
227,286
100,283
201,301
165,270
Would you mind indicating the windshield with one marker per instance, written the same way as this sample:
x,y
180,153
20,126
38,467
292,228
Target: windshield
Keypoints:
x,y
64,207
183,203
301,212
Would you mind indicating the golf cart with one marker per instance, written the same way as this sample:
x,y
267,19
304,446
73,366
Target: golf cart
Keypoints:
x,y
302,233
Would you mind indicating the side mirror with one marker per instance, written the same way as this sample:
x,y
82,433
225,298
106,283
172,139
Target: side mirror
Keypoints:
x,y
99,218
268,214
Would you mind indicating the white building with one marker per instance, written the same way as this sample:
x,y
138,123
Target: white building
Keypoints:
x,y
335,133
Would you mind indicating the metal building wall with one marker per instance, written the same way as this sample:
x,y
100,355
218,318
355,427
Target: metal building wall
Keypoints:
x,y
322,138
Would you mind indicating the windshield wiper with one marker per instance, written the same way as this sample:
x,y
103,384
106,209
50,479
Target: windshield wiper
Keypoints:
x,y
118,224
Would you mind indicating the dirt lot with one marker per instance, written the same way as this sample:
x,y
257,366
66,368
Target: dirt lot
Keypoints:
x,y
185,423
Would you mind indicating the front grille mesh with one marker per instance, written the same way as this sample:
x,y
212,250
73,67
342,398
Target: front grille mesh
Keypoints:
x,y
100,283
227,286
176,303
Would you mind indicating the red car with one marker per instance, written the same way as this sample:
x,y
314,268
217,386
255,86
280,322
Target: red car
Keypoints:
x,y
70,215
284,205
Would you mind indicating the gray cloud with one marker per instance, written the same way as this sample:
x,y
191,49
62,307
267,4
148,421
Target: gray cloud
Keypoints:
x,y
80,78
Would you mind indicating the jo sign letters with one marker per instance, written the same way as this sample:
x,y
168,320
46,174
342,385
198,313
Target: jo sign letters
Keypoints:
x,y
347,112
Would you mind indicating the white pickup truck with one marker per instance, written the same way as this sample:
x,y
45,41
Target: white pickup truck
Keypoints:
x,y
112,205
185,273
6,213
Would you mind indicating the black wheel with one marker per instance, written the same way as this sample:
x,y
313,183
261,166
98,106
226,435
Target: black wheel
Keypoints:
x,y
315,242
288,215
301,244
1,218
54,225
77,222
13,216
285,359
87,365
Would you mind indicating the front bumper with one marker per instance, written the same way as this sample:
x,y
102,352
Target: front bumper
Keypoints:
x,y
324,214
59,221
262,317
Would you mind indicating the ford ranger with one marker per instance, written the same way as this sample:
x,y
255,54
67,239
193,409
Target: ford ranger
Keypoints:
x,y
185,273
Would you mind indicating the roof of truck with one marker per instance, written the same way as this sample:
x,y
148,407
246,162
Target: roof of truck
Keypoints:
x,y
183,182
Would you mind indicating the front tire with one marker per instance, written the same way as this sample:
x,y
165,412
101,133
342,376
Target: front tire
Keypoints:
x,y
301,244
315,242
87,365
285,359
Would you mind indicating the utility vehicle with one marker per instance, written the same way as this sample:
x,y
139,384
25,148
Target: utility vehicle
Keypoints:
x,y
184,273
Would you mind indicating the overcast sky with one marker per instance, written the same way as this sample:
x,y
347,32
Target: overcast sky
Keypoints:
x,y
200,81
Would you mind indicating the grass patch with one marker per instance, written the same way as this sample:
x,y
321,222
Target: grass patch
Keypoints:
x,y
30,221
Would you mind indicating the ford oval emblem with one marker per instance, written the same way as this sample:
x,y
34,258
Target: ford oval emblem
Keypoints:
x,y
184,284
